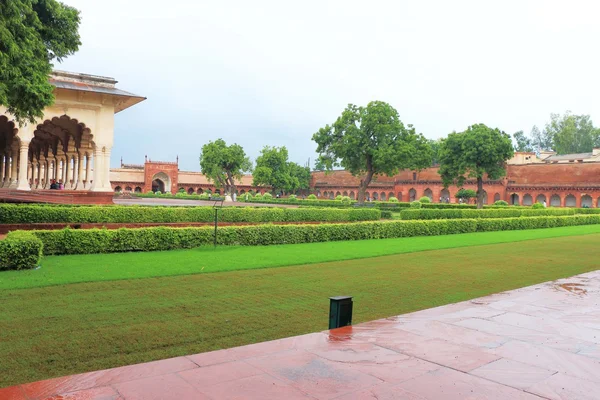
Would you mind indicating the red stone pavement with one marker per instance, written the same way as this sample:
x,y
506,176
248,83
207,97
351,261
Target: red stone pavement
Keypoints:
x,y
539,342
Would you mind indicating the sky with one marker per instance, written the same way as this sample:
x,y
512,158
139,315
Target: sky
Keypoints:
x,y
272,73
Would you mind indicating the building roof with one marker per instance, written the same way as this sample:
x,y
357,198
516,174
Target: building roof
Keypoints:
x,y
566,157
95,84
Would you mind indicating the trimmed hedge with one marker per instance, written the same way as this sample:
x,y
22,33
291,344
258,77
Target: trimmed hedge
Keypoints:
x,y
85,241
19,214
20,250
490,213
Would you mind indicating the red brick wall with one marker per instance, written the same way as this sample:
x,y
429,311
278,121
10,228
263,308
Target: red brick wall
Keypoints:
x,y
151,168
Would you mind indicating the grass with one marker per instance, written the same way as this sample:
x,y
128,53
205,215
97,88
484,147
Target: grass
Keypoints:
x,y
59,270
57,330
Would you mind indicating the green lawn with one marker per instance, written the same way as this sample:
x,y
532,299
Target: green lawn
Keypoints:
x,y
57,270
57,330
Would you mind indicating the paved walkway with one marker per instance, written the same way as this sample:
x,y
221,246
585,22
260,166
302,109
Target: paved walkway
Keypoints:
x,y
146,201
537,342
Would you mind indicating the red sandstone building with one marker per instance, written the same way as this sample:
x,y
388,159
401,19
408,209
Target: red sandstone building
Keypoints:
x,y
562,181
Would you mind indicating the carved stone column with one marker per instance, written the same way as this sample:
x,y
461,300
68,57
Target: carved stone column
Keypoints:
x,y
13,167
23,183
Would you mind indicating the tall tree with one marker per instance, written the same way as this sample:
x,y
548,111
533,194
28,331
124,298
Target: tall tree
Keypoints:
x,y
572,133
300,177
435,148
541,141
273,169
476,152
370,141
224,164
33,33
522,142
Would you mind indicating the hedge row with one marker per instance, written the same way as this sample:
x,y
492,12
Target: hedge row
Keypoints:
x,y
491,213
20,250
79,241
18,214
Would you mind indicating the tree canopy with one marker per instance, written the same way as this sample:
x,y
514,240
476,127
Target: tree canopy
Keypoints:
x,y
272,169
564,134
476,152
300,177
33,33
224,164
370,141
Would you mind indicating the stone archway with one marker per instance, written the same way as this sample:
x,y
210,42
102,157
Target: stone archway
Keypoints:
x,y
514,199
496,197
541,198
586,201
527,200
428,193
445,195
382,196
570,201
351,195
161,182
412,195
555,200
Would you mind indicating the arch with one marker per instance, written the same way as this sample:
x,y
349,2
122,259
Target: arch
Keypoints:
x,y
337,194
555,200
199,191
514,199
118,189
540,198
128,188
138,189
367,196
351,195
318,194
375,196
527,200
428,193
325,194
399,196
412,195
390,194
345,194
586,201
190,191
570,201
497,197
331,196
218,191
242,192
382,196
485,197
598,203
161,182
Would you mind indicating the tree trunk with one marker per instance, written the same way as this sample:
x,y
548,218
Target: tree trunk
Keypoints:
x,y
362,188
479,192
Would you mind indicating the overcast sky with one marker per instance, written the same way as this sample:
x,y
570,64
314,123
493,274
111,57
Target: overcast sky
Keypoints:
x,y
273,72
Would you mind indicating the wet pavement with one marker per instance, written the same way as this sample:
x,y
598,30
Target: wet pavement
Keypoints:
x,y
539,342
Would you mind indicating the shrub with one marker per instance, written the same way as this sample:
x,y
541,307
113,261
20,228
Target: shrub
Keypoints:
x,y
537,206
346,200
20,250
504,212
393,199
204,196
338,197
84,241
258,196
267,196
415,204
245,197
292,197
311,197
424,199
15,214
500,203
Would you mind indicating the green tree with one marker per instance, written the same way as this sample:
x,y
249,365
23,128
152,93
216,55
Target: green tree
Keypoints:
x,y
476,152
522,142
466,195
541,141
572,133
435,148
370,141
300,177
224,164
33,33
273,169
